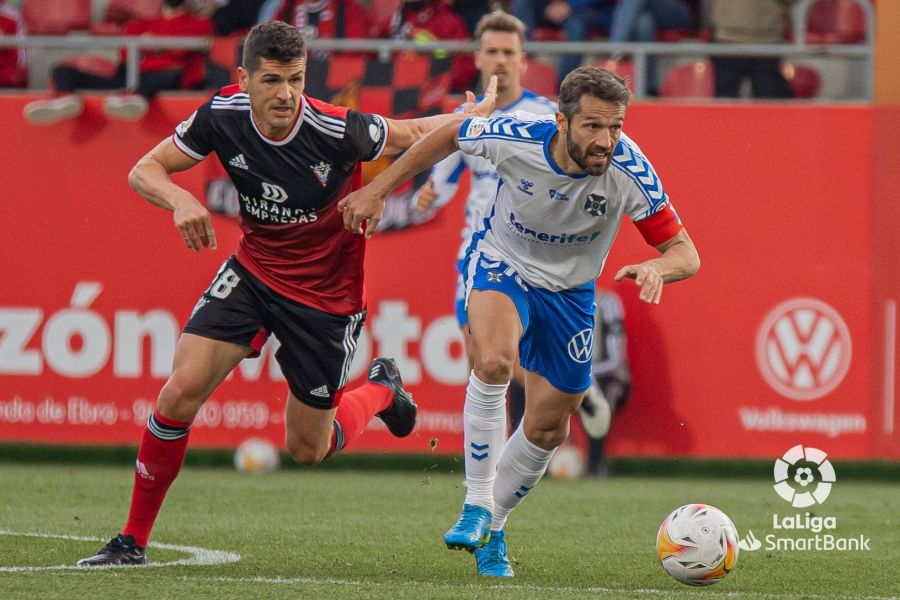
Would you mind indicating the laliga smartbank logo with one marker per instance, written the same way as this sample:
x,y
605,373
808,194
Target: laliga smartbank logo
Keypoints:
x,y
804,477
811,480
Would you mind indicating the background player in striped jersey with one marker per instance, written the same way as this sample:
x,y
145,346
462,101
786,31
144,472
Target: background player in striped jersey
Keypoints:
x,y
566,184
297,272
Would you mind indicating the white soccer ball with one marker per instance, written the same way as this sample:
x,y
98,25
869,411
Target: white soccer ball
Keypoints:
x,y
256,455
567,463
697,544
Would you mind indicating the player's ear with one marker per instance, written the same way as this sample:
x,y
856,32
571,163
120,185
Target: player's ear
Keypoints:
x,y
243,78
562,123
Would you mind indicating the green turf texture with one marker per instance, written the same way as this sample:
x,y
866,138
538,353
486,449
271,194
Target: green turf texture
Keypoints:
x,y
363,534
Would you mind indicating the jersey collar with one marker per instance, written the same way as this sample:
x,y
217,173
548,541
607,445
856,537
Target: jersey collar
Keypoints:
x,y
291,134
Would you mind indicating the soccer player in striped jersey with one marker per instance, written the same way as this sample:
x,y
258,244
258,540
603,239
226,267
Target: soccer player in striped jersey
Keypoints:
x,y
566,182
297,272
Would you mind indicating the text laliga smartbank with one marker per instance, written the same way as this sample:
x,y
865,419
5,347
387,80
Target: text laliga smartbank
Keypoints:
x,y
818,541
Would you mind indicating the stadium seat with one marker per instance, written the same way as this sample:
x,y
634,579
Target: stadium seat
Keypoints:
x,y
805,81
835,22
540,78
548,34
119,12
56,17
689,80
623,68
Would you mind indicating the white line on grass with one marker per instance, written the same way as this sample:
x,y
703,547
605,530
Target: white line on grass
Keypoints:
x,y
547,590
198,556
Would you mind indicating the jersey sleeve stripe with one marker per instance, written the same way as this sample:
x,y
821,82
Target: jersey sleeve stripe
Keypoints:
x,y
322,128
383,143
184,148
337,127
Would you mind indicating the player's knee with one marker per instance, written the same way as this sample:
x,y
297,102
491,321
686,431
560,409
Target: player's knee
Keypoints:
x,y
180,401
305,454
495,368
546,437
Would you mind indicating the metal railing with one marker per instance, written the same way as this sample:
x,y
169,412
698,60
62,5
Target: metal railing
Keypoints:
x,y
640,52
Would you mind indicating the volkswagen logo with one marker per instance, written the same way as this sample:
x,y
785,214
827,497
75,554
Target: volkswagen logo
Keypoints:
x,y
803,349
581,346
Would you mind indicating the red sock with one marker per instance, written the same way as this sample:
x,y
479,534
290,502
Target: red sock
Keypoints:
x,y
159,460
356,409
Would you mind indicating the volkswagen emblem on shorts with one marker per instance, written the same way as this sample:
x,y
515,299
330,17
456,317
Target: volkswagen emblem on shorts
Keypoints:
x,y
803,349
595,205
581,346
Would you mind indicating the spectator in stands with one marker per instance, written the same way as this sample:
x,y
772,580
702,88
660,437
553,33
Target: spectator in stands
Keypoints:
x,y
750,22
229,16
13,65
642,20
429,20
325,19
579,19
159,70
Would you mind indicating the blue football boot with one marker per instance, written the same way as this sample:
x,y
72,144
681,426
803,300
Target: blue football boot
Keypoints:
x,y
471,531
491,559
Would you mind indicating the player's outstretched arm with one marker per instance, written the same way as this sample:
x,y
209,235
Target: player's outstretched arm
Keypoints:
x,y
402,134
151,178
367,204
679,260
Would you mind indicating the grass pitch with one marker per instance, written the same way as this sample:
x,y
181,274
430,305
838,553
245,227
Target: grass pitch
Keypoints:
x,y
359,534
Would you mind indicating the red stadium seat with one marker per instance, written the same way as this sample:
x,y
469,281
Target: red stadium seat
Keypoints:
x,y
540,78
689,80
56,17
805,81
622,68
119,12
835,22
548,34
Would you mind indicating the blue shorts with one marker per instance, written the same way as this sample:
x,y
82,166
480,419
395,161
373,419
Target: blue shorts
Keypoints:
x,y
558,338
459,304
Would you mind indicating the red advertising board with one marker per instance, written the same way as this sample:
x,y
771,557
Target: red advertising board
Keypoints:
x,y
784,337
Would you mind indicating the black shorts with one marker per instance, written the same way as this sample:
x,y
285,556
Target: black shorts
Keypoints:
x,y
316,347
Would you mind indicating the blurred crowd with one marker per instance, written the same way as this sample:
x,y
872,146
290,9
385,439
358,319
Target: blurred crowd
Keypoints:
x,y
716,21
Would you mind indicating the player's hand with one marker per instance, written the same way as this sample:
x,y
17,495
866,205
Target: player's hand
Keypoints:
x,y
488,102
647,277
194,223
362,206
426,196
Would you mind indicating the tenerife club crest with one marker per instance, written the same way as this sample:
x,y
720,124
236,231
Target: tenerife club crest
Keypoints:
x,y
595,205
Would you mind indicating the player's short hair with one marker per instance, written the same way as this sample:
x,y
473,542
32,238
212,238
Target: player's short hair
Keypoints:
x,y
499,20
273,40
591,81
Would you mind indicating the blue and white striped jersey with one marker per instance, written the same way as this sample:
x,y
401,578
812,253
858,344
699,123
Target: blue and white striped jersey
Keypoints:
x,y
556,229
446,174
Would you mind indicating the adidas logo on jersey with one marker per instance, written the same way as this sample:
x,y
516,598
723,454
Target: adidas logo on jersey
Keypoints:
x,y
239,162
321,392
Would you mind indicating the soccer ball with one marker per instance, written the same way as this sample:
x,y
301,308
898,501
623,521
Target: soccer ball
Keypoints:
x,y
567,463
256,455
697,544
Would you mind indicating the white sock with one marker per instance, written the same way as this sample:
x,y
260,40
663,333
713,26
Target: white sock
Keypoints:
x,y
522,465
484,426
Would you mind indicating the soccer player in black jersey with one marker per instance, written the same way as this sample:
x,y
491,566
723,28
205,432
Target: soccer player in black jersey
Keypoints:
x,y
297,272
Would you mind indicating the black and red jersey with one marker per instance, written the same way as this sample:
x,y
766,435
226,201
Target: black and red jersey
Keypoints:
x,y
294,238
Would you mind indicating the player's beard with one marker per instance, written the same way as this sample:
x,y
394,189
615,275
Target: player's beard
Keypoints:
x,y
581,158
